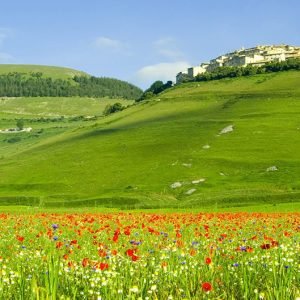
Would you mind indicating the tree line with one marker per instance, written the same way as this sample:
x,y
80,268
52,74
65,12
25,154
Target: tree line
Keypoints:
x,y
155,88
35,85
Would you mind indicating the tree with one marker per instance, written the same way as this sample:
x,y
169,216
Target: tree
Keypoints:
x,y
156,87
112,108
20,124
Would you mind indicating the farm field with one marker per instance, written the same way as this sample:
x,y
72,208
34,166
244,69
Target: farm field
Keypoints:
x,y
149,255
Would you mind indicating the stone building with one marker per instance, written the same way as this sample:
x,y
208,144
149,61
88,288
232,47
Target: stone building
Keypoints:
x,y
256,56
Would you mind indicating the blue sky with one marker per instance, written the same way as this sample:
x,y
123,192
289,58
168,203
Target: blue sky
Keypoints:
x,y
139,40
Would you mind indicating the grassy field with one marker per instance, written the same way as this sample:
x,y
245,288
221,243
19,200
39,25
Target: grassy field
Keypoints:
x,y
48,117
131,159
48,107
48,71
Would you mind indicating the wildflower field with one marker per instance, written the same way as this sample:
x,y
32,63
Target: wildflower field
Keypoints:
x,y
150,256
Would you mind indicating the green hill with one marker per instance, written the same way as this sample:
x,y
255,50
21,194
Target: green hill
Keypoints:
x,y
171,151
47,71
44,81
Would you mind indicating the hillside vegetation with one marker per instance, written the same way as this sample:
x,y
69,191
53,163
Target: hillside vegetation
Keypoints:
x,y
171,151
28,81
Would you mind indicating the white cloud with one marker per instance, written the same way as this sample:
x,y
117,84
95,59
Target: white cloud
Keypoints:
x,y
162,71
106,43
5,58
167,48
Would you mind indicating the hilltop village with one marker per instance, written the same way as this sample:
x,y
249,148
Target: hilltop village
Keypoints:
x,y
256,56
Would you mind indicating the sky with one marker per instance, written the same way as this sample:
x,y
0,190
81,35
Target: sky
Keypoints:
x,y
139,41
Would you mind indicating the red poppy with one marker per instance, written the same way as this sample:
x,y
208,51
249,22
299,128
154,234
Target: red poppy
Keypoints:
x,y
206,286
102,253
85,262
130,252
59,244
208,260
103,266
20,238
265,246
127,231
134,257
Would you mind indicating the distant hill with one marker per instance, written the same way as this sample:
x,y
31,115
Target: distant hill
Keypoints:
x,y
222,143
47,81
47,71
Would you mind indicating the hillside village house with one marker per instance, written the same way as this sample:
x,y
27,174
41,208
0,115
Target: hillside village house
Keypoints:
x,y
256,56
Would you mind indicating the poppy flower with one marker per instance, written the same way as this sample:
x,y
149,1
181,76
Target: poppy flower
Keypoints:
x,y
134,257
206,286
103,266
130,252
265,246
20,238
208,260
85,262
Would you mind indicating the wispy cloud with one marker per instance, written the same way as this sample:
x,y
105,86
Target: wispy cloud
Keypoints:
x,y
106,43
161,71
167,48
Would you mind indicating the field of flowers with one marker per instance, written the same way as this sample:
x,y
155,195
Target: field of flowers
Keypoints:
x,y
150,256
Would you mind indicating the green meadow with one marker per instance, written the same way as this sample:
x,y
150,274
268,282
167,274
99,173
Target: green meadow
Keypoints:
x,y
167,152
47,71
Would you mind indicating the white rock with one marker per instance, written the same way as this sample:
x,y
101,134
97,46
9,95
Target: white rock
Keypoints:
x,y
28,129
190,192
272,169
198,180
227,129
187,165
176,185
206,147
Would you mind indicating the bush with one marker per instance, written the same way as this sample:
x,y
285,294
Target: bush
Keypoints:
x,y
155,88
112,108
20,124
14,139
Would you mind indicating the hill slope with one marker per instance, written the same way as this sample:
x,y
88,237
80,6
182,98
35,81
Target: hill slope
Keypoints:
x,y
133,157
47,71
41,81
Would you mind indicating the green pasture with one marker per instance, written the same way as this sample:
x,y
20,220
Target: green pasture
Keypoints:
x,y
48,71
131,158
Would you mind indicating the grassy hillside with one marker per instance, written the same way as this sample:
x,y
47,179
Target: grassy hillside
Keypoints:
x,y
47,116
48,71
26,107
132,158
46,81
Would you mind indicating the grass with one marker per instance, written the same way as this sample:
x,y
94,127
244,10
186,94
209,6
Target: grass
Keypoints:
x,y
130,159
48,117
49,107
48,71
